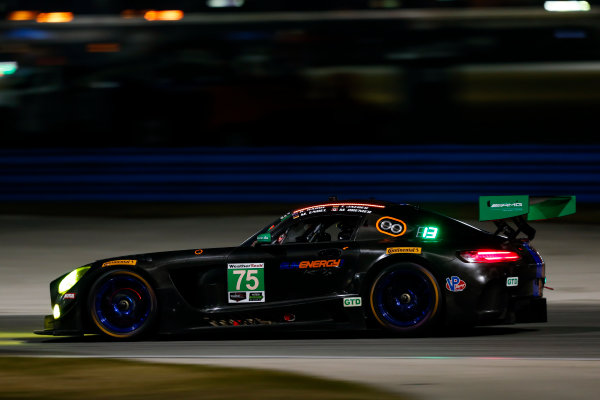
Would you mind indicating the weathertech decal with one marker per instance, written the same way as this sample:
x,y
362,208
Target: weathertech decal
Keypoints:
x,y
403,250
391,226
312,264
455,284
246,282
119,262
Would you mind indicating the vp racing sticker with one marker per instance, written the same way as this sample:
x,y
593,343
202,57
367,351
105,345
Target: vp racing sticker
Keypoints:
x,y
455,284
246,283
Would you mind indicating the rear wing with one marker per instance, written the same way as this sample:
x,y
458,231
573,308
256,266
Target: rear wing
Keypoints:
x,y
522,208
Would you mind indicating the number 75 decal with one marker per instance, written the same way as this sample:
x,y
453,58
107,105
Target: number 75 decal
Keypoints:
x,y
250,275
246,282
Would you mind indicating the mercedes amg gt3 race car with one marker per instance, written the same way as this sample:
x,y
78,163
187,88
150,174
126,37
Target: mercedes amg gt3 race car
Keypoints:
x,y
338,264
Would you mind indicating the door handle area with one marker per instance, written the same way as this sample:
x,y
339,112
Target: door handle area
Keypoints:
x,y
330,253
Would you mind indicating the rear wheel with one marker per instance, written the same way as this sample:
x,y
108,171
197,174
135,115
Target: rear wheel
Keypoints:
x,y
122,304
405,298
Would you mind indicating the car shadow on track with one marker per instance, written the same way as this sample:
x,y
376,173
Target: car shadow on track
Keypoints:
x,y
241,333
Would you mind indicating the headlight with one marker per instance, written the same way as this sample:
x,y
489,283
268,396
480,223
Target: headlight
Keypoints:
x,y
56,311
70,280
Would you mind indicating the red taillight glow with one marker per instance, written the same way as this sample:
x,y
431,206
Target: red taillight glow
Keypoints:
x,y
489,256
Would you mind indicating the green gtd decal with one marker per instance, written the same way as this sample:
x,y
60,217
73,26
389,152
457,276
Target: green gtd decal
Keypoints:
x,y
352,302
246,282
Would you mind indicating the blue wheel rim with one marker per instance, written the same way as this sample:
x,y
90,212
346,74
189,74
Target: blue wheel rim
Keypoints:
x,y
404,298
123,304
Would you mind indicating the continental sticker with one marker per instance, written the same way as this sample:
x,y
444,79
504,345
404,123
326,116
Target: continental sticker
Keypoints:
x,y
119,262
403,250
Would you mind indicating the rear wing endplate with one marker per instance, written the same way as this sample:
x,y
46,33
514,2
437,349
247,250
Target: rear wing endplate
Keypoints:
x,y
523,208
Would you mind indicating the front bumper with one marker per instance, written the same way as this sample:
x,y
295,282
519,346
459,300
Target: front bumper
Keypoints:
x,y
59,327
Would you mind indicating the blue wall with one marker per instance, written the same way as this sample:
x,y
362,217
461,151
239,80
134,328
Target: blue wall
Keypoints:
x,y
421,173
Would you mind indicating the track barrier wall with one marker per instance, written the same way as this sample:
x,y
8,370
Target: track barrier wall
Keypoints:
x,y
413,173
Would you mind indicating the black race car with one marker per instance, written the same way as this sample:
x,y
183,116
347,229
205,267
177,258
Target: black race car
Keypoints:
x,y
338,264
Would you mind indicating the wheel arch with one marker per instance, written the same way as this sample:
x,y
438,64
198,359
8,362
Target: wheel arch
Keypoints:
x,y
374,271
86,315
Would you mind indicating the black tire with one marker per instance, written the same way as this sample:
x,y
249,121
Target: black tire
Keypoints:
x,y
122,304
405,299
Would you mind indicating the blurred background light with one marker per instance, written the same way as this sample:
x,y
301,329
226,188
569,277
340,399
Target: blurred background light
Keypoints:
x,y
568,5
102,47
55,17
224,3
22,15
8,67
163,15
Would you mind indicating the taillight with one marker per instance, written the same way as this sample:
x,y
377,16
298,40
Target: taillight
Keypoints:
x,y
488,256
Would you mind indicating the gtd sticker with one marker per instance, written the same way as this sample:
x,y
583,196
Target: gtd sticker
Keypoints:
x,y
455,284
512,281
352,302
391,226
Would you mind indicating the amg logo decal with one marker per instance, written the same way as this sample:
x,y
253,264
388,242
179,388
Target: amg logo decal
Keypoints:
x,y
499,205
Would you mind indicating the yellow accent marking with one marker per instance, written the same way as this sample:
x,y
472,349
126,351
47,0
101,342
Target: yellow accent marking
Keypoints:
x,y
119,262
403,250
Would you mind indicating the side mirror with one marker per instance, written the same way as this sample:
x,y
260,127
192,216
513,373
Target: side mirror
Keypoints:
x,y
264,238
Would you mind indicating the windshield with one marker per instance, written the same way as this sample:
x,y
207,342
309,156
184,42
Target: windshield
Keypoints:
x,y
268,228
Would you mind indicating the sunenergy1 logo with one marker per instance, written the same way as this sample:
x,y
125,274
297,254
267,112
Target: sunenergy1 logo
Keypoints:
x,y
312,264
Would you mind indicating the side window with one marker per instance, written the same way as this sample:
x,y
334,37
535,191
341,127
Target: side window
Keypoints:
x,y
321,229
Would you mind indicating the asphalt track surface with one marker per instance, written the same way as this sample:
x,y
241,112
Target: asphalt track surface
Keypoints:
x,y
559,359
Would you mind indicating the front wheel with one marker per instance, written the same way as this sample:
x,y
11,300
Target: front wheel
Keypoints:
x,y
405,298
122,304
